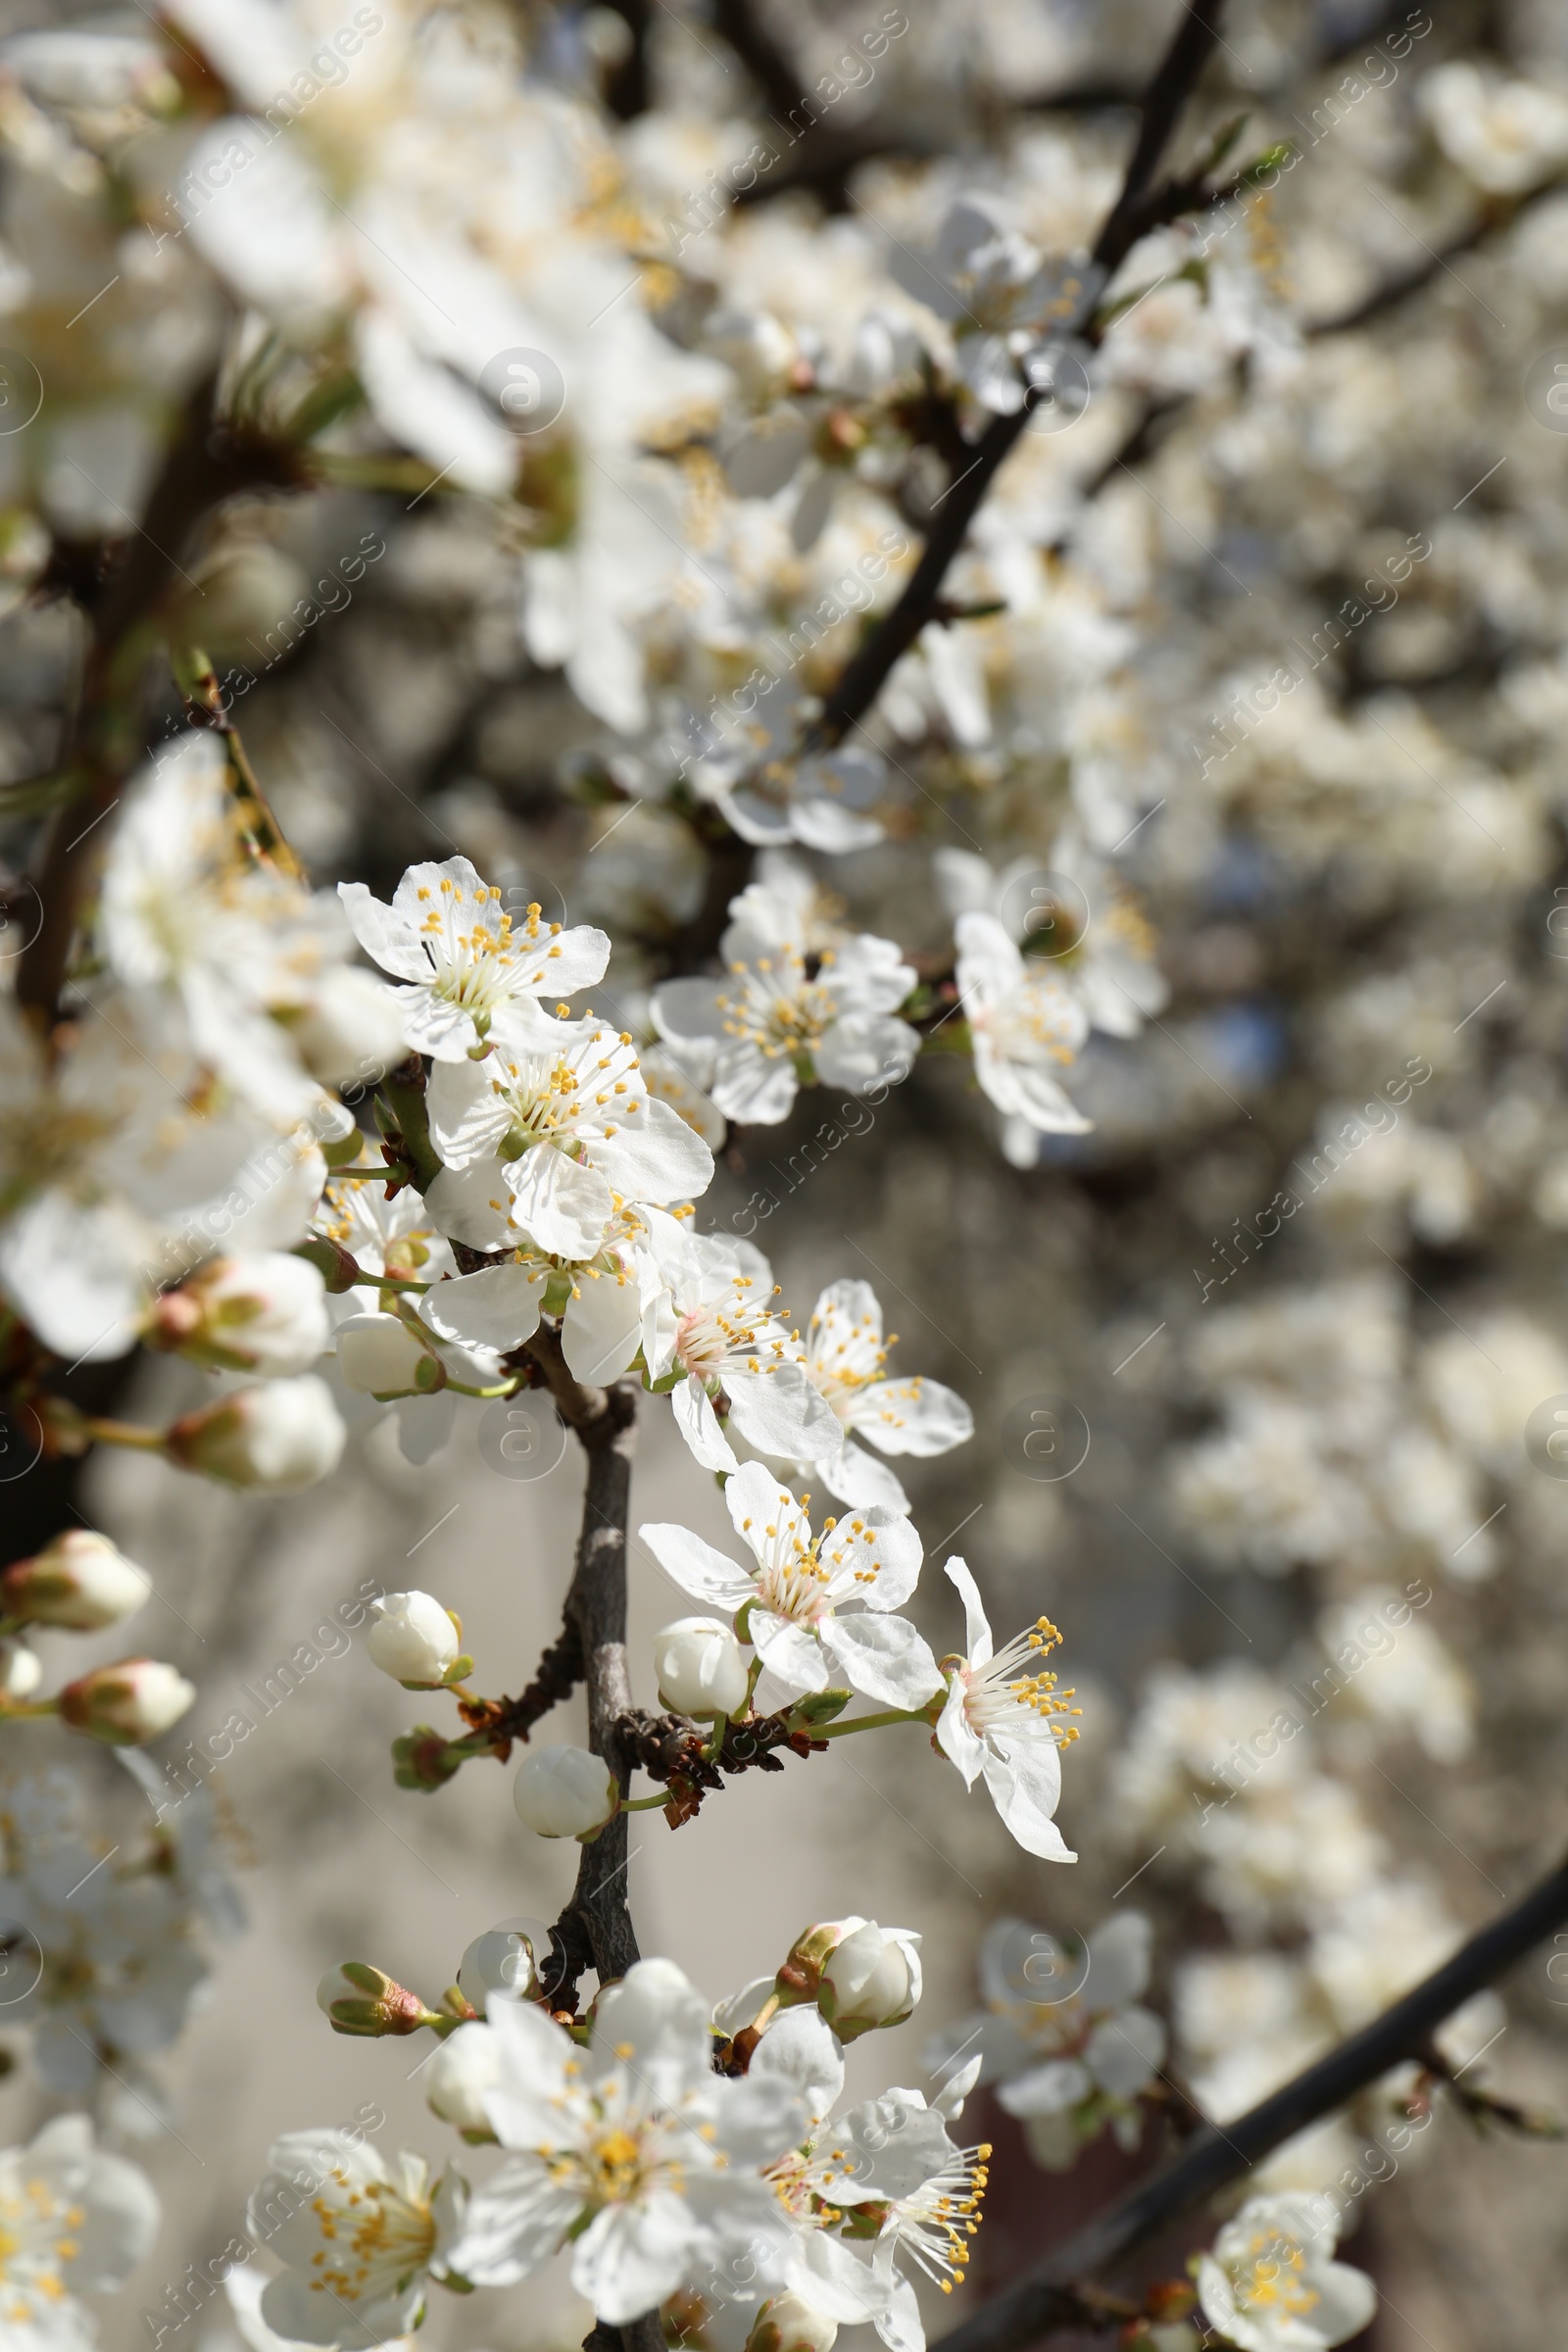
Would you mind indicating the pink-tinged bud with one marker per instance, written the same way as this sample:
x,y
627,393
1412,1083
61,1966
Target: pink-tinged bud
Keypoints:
x,y
282,1437
79,1580
127,1703
357,1998
263,1313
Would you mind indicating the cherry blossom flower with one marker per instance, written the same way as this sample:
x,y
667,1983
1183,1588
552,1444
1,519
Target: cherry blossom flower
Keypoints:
x,y
1108,965
785,1017
996,291
74,2221
1062,2031
359,2235
465,971
884,2175
633,2150
109,1155
1005,1723
1271,2284
817,1608
550,1132
845,1353
1023,1025
711,1326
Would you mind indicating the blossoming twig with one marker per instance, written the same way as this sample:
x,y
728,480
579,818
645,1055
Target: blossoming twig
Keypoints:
x,y
1047,2299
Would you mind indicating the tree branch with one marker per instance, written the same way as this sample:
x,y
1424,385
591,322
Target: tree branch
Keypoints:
x,y
595,1929
205,466
1173,83
1049,2297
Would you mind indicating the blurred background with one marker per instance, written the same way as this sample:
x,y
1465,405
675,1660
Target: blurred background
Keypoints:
x,y
1291,1317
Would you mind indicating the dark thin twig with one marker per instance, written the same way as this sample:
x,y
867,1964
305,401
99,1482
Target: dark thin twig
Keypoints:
x,y
1134,211
1050,2295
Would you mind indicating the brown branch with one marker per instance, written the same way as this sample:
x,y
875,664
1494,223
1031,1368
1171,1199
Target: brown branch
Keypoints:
x,y
595,1929
205,466
1050,2295
1177,77
1489,221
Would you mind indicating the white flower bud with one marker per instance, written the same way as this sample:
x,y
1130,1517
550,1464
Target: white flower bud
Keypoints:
x,y
263,1313
282,1437
501,1961
20,1671
565,1792
79,1580
127,1703
456,2079
873,1977
859,1976
379,1356
786,2324
413,1638
350,1028
701,1667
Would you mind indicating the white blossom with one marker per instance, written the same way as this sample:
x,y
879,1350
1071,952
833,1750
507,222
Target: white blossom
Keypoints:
x,y
1271,2284
635,2149
74,2221
816,1609
785,1017
358,2235
1023,1025
466,973
1004,1724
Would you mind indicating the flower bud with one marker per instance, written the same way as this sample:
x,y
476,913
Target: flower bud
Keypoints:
x,y
379,1356
350,1028
786,2323
501,1961
701,1667
127,1703
357,1998
283,1436
861,1976
20,1671
263,1313
456,2079
79,1580
413,1638
565,1792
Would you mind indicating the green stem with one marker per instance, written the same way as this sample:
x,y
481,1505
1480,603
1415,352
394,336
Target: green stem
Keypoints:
x,y
125,1433
867,1723
645,1805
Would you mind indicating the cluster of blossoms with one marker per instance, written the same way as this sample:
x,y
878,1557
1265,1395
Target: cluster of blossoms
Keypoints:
x,y
654,463
703,2164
